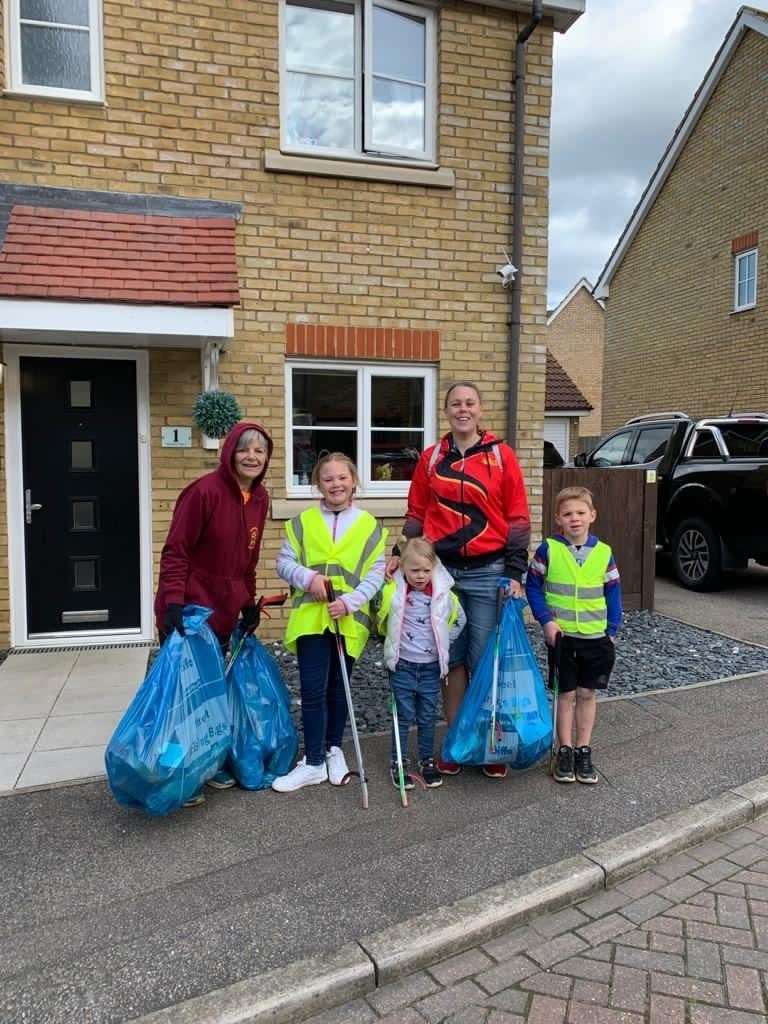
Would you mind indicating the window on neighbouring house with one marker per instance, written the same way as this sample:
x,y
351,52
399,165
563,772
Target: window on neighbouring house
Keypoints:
x,y
358,78
382,417
54,48
745,294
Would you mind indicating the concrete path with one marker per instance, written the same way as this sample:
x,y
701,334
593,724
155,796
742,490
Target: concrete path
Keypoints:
x,y
740,609
109,915
684,942
58,709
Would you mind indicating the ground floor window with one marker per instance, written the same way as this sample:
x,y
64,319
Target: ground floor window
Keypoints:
x,y
382,416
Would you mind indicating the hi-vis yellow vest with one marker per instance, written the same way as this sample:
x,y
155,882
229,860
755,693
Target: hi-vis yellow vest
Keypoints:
x,y
345,563
575,593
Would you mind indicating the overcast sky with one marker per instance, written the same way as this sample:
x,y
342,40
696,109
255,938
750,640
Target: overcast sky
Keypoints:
x,y
624,75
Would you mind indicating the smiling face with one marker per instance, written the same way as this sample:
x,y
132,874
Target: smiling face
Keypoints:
x,y
250,458
574,517
462,407
417,569
336,484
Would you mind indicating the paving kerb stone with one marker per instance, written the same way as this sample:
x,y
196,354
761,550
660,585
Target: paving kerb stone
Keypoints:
x,y
281,996
304,988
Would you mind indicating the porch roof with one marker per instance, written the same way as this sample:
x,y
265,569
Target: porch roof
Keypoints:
x,y
561,393
110,256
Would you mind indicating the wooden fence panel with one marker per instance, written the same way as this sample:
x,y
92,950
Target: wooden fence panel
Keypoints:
x,y
626,519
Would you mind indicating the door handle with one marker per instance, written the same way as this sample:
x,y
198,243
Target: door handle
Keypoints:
x,y
29,507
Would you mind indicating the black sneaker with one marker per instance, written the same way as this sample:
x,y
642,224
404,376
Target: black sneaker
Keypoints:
x,y
395,776
564,765
430,774
585,771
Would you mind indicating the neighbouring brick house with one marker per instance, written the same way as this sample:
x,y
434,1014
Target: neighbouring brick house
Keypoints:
x,y
686,288
565,407
576,338
199,193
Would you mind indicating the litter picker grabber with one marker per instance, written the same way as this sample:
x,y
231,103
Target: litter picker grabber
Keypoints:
x,y
262,604
500,595
398,752
553,658
331,593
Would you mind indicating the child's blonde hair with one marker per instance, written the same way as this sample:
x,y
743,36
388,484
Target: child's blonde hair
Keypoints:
x,y
574,494
420,547
335,457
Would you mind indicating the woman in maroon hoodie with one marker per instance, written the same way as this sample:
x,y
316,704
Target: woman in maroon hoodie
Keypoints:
x,y
209,557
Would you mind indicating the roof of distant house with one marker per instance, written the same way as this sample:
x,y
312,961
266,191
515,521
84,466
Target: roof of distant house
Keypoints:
x,y
561,393
107,256
552,314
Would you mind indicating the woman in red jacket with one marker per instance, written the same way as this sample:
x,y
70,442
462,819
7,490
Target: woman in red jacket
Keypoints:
x,y
468,497
212,549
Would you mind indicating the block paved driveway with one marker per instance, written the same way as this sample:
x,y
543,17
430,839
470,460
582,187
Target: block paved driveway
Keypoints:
x,y
683,943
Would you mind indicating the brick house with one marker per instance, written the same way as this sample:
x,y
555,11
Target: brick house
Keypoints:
x,y
686,288
301,202
576,338
565,408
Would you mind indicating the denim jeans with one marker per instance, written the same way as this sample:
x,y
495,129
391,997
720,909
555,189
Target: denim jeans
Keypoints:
x,y
417,693
323,701
476,589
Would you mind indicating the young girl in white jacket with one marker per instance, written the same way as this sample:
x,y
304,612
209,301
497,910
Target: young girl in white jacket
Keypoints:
x,y
421,616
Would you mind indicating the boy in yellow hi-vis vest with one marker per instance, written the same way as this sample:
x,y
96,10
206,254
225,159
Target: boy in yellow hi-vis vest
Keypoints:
x,y
574,592
343,545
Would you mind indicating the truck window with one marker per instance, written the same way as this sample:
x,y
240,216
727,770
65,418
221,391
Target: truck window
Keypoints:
x,y
705,446
650,444
611,452
746,440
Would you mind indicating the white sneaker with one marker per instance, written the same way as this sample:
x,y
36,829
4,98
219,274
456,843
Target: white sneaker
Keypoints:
x,y
338,772
302,775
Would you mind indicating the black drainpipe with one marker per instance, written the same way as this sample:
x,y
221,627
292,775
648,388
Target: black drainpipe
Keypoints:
x,y
518,170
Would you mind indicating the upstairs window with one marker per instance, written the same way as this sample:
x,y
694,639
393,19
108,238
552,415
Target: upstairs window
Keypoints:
x,y
358,78
745,296
55,48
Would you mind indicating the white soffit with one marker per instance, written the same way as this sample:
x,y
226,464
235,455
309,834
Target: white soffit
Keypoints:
x,y
112,323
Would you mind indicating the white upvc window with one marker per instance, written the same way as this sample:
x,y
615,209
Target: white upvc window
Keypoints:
x,y
381,415
54,48
358,79
745,280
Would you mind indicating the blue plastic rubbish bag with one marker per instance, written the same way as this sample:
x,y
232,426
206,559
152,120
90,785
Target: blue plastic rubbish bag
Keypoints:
x,y
176,733
523,717
264,739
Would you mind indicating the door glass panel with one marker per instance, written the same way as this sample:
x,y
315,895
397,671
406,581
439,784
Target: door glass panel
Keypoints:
x,y
85,573
650,444
80,394
612,452
394,453
84,514
397,402
81,455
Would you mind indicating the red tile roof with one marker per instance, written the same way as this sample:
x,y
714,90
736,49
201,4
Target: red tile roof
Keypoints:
x,y
118,257
561,392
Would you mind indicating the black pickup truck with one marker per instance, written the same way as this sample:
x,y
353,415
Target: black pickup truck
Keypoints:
x,y
713,487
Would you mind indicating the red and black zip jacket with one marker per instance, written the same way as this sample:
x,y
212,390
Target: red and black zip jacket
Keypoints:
x,y
473,507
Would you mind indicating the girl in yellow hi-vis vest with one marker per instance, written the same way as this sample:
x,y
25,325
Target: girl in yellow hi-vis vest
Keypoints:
x,y
337,543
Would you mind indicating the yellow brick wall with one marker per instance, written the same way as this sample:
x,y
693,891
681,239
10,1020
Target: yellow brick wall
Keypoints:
x,y
672,338
192,104
576,338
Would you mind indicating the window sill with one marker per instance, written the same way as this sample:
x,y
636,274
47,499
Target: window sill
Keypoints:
x,y
743,309
23,94
363,170
382,508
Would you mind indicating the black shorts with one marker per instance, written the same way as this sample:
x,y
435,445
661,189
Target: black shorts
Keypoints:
x,y
586,663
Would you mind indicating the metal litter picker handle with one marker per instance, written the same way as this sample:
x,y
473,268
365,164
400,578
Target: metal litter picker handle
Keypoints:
x,y
496,655
398,752
348,693
553,656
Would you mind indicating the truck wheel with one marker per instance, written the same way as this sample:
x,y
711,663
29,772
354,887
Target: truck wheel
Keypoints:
x,y
697,555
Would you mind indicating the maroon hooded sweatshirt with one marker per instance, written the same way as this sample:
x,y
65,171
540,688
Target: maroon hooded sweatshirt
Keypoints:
x,y
212,549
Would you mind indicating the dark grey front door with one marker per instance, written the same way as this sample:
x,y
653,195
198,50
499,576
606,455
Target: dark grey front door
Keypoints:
x,y
81,494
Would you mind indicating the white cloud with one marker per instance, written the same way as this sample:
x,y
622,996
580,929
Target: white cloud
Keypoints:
x,y
623,77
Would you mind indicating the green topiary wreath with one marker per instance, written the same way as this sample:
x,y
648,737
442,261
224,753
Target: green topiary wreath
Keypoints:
x,y
216,412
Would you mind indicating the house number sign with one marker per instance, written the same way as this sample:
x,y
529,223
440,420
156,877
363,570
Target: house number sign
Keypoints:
x,y
176,437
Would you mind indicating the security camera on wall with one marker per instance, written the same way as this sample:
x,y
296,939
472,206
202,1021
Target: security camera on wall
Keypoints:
x,y
506,271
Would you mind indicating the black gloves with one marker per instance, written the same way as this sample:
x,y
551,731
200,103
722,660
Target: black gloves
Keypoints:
x,y
174,619
251,617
